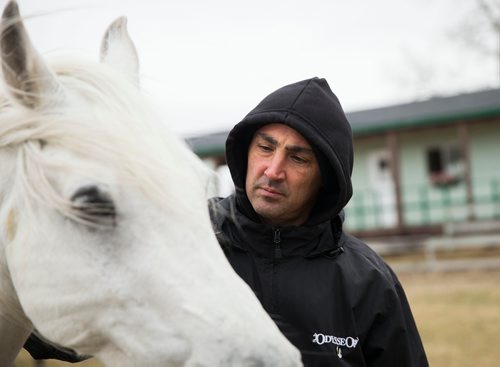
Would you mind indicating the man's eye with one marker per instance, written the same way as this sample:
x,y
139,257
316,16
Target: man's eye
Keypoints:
x,y
94,205
265,148
298,159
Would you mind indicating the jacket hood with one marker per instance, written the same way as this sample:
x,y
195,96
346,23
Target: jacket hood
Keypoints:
x,y
313,110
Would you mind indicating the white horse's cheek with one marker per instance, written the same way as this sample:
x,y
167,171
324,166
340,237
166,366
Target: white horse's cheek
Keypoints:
x,y
10,225
34,258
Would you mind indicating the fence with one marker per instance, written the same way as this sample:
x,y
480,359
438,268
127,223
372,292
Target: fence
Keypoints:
x,y
423,205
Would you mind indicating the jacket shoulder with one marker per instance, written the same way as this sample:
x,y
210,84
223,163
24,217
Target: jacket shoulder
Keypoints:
x,y
361,260
219,209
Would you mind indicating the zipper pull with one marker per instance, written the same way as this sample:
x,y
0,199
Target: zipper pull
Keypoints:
x,y
277,244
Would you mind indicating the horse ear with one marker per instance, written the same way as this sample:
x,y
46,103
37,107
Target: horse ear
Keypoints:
x,y
118,49
30,81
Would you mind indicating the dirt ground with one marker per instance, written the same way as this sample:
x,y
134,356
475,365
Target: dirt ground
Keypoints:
x,y
458,315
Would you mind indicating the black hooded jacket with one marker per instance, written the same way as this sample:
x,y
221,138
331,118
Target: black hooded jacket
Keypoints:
x,y
329,293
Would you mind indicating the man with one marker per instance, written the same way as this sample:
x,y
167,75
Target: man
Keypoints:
x,y
329,293
332,297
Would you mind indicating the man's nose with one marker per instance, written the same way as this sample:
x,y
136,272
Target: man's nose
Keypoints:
x,y
275,170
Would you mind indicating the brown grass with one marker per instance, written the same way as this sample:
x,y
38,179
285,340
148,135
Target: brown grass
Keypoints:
x,y
24,360
458,315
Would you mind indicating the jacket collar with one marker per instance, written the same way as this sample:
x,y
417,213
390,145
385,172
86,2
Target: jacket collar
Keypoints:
x,y
236,230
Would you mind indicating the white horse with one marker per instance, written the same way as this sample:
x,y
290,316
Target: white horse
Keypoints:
x,y
105,241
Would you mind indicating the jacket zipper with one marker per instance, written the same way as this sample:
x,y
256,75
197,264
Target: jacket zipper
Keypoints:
x,y
277,244
277,256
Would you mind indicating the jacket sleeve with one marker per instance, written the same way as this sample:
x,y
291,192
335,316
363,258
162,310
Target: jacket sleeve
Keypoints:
x,y
393,339
39,348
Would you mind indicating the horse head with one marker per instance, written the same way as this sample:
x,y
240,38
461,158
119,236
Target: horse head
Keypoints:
x,y
106,246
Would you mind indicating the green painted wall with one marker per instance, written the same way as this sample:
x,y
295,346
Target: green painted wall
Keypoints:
x,y
423,202
485,167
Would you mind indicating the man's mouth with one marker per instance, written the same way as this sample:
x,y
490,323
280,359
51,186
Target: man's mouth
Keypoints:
x,y
269,191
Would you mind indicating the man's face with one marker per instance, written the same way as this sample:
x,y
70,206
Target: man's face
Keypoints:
x,y
283,176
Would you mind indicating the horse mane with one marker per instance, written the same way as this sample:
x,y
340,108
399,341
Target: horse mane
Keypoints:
x,y
116,126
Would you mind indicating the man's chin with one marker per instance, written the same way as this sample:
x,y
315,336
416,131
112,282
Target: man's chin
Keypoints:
x,y
269,215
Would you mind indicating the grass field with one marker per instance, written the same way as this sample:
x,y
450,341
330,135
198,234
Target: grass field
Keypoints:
x,y
458,315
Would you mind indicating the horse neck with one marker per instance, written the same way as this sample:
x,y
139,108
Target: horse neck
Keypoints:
x,y
14,326
13,338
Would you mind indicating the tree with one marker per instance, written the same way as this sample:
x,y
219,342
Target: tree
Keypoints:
x,y
477,29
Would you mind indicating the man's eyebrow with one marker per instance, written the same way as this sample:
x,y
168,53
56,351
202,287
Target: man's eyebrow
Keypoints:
x,y
299,149
289,148
267,138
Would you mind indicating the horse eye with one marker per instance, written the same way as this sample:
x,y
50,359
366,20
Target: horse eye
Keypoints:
x,y
94,205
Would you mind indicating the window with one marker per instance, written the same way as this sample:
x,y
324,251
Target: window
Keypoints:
x,y
445,165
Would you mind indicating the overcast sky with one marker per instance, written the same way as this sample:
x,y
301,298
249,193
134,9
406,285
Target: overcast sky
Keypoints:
x,y
208,62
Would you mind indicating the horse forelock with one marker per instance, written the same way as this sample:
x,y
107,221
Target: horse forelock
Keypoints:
x,y
105,118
